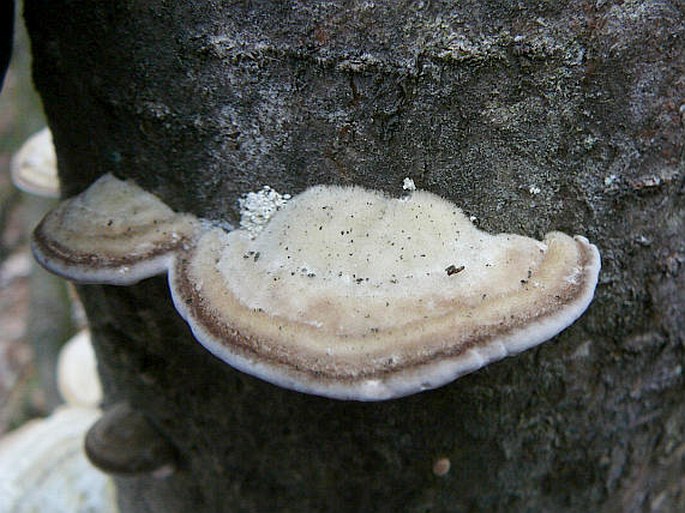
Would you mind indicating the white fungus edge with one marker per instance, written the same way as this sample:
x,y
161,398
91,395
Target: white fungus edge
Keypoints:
x,y
128,274
33,168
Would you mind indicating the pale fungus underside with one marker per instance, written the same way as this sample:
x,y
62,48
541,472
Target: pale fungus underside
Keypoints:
x,y
343,292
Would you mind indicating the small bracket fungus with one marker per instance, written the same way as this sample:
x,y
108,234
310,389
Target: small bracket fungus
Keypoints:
x,y
350,294
77,376
34,167
124,442
114,232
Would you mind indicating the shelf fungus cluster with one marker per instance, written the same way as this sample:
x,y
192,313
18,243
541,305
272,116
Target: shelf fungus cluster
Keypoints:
x,y
345,293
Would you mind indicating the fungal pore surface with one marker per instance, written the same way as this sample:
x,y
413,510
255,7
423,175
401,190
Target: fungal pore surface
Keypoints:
x,y
350,294
114,232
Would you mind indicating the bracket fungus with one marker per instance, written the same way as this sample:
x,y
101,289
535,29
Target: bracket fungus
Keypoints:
x,y
123,441
34,167
77,377
113,233
340,291
43,467
350,294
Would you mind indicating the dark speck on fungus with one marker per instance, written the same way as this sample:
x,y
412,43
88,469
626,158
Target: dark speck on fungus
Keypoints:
x,y
453,269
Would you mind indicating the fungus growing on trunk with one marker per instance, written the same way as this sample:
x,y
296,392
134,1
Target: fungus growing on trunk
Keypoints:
x,y
43,467
350,294
123,441
114,232
77,377
340,292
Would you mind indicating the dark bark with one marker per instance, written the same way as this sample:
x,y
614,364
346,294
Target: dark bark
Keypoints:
x,y
6,36
533,116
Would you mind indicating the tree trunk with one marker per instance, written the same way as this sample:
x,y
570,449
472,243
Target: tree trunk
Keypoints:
x,y
532,116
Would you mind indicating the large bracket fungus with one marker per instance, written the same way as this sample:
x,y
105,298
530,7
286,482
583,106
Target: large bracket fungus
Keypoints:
x,y
350,294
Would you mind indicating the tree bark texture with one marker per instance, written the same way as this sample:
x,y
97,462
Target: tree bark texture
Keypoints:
x,y
531,115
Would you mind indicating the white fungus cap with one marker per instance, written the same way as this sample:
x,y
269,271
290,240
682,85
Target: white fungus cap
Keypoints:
x,y
34,167
350,294
114,232
43,467
77,376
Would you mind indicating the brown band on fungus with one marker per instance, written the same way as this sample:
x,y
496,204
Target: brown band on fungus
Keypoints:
x,y
54,250
278,354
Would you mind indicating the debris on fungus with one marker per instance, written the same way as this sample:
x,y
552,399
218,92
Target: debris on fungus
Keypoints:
x,y
256,208
408,185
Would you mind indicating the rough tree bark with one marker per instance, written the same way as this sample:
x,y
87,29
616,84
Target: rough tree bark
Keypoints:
x,y
531,115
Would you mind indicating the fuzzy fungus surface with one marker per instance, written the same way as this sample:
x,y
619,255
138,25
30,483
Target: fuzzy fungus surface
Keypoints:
x,y
113,232
351,294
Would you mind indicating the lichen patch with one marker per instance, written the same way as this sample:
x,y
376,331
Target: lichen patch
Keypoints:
x,y
257,208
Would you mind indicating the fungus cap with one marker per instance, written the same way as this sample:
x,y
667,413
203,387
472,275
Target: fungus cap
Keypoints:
x,y
350,294
114,232
34,167
123,441
77,377
43,467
